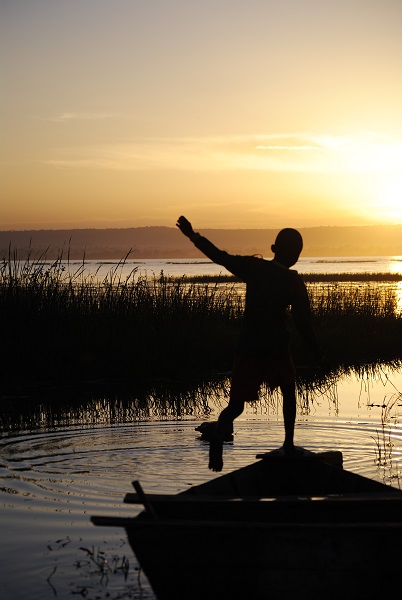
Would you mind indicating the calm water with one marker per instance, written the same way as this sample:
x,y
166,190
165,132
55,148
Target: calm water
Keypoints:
x,y
58,467
54,477
203,266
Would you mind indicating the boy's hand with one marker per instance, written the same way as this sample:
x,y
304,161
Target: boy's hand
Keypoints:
x,y
184,226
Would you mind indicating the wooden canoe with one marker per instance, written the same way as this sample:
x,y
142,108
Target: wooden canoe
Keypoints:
x,y
275,529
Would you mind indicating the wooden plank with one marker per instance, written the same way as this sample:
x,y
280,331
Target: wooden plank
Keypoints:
x,y
132,498
113,521
145,500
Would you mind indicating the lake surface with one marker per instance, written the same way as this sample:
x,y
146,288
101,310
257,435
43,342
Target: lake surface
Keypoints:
x,y
61,462
53,478
203,266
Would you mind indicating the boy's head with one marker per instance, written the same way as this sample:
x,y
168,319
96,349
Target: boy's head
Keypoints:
x,y
287,247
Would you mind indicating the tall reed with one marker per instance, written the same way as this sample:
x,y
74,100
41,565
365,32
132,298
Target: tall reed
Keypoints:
x,y
357,323
64,326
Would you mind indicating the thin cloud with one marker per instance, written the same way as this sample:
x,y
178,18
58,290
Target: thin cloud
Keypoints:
x,y
291,148
286,153
72,116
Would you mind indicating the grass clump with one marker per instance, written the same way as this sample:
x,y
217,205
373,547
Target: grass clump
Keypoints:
x,y
357,323
65,327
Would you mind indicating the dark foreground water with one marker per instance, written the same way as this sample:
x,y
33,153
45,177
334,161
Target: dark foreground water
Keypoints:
x,y
57,468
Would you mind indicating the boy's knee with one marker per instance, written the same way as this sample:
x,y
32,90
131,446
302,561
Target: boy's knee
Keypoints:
x,y
233,410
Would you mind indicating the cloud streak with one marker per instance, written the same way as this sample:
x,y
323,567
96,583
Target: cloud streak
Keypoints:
x,y
291,148
360,153
66,117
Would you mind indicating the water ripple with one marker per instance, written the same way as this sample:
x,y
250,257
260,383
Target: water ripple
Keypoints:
x,y
52,481
99,464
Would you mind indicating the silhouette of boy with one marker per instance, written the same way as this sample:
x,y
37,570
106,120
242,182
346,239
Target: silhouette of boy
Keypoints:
x,y
262,353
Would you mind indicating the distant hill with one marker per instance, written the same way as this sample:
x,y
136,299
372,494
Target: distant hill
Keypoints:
x,y
168,242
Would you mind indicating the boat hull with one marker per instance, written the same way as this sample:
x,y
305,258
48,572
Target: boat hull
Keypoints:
x,y
276,529
260,561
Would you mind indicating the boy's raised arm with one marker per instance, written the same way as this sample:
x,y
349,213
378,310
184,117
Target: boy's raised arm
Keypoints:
x,y
238,265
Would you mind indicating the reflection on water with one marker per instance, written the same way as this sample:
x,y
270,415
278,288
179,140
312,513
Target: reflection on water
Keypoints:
x,y
398,293
159,401
352,387
61,461
366,398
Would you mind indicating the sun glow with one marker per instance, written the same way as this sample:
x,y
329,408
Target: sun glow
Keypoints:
x,y
375,160
389,198
392,196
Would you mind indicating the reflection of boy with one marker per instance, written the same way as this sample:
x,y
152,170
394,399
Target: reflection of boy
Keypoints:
x,y
263,348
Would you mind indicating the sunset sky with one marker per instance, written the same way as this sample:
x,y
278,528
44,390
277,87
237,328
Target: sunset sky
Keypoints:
x,y
235,113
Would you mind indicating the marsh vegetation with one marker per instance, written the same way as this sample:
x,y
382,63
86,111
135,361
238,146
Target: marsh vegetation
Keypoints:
x,y
63,327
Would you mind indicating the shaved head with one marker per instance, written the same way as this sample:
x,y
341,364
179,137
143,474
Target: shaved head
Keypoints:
x,y
287,247
289,238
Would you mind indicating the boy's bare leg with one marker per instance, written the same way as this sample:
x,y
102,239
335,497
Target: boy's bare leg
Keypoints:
x,y
289,416
224,427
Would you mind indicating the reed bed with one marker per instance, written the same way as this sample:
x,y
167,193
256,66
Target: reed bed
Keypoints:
x,y
66,327
62,327
357,323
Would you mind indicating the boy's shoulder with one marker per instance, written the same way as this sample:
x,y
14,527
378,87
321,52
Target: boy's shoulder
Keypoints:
x,y
275,266
271,268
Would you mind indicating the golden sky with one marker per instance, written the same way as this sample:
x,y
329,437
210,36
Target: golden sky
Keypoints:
x,y
236,113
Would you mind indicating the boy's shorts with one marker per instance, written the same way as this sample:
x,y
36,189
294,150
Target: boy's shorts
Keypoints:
x,y
249,372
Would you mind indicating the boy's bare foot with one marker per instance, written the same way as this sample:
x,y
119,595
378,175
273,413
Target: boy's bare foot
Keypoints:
x,y
216,433
291,451
208,429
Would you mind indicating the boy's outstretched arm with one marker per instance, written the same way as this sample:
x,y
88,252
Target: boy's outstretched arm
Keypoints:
x,y
234,264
